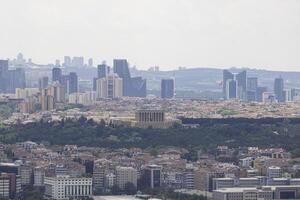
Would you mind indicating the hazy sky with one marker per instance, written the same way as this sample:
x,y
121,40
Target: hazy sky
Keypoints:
x,y
167,33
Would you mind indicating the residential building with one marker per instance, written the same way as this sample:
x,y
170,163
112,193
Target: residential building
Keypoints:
x,y
126,175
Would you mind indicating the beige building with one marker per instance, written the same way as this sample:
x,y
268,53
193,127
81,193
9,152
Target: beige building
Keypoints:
x,y
125,175
152,118
109,87
57,91
23,93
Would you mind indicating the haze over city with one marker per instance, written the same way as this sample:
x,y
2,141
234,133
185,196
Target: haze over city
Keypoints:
x,y
170,33
149,100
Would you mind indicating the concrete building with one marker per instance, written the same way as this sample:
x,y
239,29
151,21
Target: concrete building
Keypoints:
x,y
152,176
38,177
57,91
65,187
23,93
26,175
109,87
266,192
274,172
98,178
126,175
189,178
47,101
110,180
10,185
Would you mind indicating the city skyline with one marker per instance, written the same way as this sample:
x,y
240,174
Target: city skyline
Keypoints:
x,y
170,34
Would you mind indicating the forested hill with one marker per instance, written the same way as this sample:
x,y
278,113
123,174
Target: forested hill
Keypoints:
x,y
206,136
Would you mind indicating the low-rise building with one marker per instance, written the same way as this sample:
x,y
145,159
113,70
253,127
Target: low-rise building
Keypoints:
x,y
66,187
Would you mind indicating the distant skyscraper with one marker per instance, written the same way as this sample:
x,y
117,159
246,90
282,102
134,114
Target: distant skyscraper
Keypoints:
x,y
11,79
3,75
90,62
109,87
226,76
252,84
241,79
67,61
231,89
73,83
134,87
259,93
78,62
56,74
167,88
251,88
65,82
16,79
43,82
102,71
57,63
278,89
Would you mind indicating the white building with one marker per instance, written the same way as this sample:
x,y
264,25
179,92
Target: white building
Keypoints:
x,y
4,186
125,175
274,172
65,187
38,177
246,162
110,180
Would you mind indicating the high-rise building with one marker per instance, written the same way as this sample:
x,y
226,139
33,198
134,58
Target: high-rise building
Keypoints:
x,y
167,88
252,83
10,186
90,62
126,175
152,176
251,88
77,62
16,79
11,79
278,89
57,91
67,61
38,176
134,87
56,74
227,75
3,75
73,83
102,71
109,87
65,82
231,89
43,82
46,100
241,79
259,93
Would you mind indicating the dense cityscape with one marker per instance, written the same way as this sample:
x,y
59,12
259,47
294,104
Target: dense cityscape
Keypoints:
x,y
80,131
